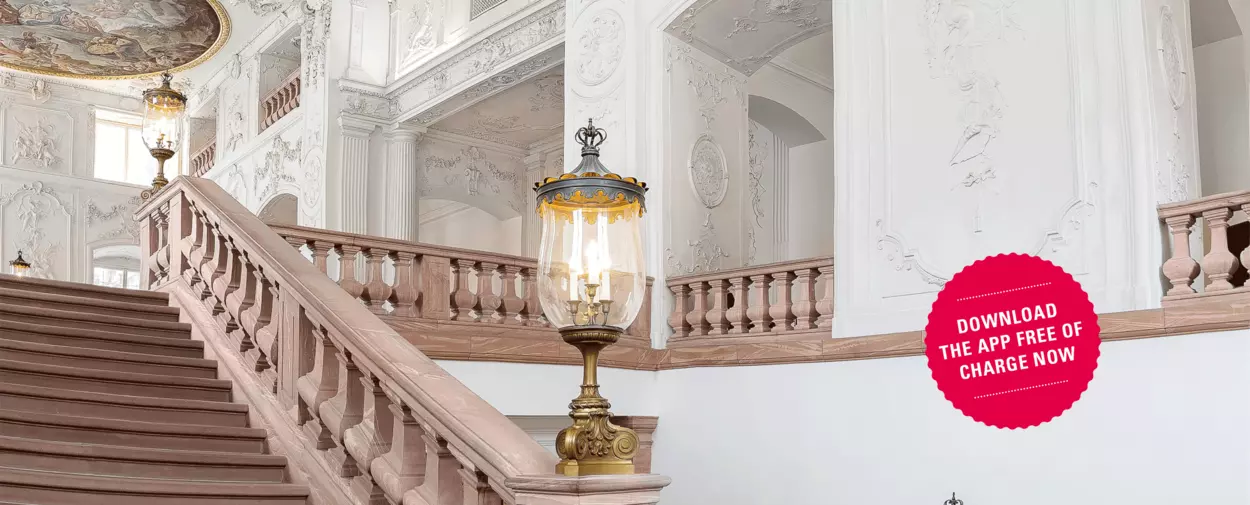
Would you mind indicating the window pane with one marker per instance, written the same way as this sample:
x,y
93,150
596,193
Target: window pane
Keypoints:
x,y
132,279
110,154
108,277
142,166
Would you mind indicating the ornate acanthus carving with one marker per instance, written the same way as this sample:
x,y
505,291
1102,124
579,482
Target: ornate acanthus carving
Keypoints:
x,y
236,123
368,104
34,202
550,93
706,254
800,13
262,7
957,38
273,172
39,93
123,213
1174,185
493,129
905,259
757,155
601,44
710,85
36,143
709,177
423,35
315,31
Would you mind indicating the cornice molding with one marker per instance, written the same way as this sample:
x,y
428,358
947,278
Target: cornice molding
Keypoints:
x,y
802,73
467,141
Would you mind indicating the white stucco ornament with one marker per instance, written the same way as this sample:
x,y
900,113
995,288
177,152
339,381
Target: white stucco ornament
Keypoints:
x,y
1171,57
709,178
602,42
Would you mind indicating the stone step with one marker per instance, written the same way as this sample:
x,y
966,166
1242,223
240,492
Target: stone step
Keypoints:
x,y
78,320
96,339
52,488
84,290
121,383
26,398
100,431
96,359
138,462
88,305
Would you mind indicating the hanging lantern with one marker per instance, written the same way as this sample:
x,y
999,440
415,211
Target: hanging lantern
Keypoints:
x,y
163,111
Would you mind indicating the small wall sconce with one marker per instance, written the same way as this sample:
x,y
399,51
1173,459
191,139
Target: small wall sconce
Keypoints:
x,y
953,501
19,266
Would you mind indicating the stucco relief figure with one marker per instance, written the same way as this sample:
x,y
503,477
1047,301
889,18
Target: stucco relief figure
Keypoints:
x,y
105,38
958,33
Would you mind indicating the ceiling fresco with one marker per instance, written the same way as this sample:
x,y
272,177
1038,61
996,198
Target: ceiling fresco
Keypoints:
x,y
109,39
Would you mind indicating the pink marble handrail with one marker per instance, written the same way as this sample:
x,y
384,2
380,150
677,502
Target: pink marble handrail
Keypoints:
x,y
280,101
766,299
380,412
433,281
204,159
1220,263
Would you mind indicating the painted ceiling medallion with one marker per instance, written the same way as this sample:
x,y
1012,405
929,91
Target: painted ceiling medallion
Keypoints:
x,y
109,39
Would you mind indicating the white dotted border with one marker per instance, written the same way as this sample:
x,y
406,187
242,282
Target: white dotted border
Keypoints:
x,y
1003,291
1021,389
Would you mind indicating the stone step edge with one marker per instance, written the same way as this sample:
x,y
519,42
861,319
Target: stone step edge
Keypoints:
x,y
81,333
124,485
140,454
153,297
107,355
135,427
69,315
140,379
92,301
144,402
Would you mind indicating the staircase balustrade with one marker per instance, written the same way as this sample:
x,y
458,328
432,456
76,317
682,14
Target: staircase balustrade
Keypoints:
x,y
1219,264
387,421
412,280
204,159
280,101
790,298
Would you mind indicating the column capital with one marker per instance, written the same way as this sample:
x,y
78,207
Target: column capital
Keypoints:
x,y
355,126
403,133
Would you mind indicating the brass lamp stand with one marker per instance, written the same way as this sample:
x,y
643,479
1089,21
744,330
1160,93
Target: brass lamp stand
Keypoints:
x,y
162,155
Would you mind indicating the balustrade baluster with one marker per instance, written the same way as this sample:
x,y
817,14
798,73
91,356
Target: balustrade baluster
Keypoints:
x,y
435,297
441,485
242,299
462,300
477,489
208,265
1245,253
369,440
347,270
377,291
1181,269
162,241
317,386
345,410
758,310
698,313
782,311
297,243
1220,263
510,305
717,320
402,468
488,302
805,313
404,296
825,305
738,314
677,320
221,258
321,254
195,248
531,313
255,321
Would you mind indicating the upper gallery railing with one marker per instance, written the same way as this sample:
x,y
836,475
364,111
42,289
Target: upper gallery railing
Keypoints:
x,y
204,160
1220,264
416,280
387,416
280,101
772,299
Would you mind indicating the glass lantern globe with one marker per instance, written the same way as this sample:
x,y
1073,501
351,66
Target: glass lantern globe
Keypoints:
x,y
19,267
163,112
591,270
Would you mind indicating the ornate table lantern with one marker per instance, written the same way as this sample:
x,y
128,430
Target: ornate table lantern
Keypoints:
x,y
591,283
163,112
19,266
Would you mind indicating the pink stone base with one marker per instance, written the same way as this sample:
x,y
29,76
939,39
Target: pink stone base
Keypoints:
x,y
642,489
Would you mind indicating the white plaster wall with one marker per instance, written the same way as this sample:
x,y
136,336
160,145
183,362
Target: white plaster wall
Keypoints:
x,y
1163,422
1223,121
519,389
471,228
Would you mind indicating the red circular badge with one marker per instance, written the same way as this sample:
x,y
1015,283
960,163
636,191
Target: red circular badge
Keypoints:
x,y
1012,341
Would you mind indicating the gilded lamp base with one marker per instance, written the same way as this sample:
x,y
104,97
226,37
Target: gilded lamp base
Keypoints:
x,y
159,181
593,445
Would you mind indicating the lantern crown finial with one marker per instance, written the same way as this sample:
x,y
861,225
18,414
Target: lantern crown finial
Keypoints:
x,y
590,138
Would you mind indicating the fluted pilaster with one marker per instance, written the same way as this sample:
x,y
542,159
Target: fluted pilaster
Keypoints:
x,y
401,177
355,173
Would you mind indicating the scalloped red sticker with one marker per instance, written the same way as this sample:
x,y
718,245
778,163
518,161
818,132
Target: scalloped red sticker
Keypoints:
x,y
1012,341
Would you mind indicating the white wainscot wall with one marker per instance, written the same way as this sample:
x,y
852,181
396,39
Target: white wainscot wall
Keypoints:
x,y
1223,124
50,205
1163,422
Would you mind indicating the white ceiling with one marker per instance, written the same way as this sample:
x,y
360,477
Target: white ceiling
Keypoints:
x,y
526,113
814,55
746,34
1212,21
